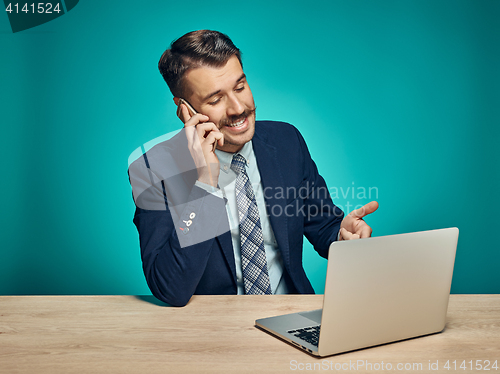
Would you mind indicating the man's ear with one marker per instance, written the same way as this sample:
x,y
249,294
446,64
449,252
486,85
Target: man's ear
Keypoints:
x,y
176,101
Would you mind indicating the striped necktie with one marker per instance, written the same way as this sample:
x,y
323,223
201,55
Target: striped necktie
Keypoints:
x,y
253,254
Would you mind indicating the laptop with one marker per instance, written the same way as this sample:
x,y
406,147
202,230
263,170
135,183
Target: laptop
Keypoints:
x,y
378,290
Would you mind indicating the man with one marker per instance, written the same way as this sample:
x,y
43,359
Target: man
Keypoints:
x,y
223,206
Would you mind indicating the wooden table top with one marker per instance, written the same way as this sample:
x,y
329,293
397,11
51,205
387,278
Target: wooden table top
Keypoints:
x,y
216,334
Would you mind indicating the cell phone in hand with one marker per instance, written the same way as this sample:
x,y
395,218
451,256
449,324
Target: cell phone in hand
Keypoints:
x,y
191,110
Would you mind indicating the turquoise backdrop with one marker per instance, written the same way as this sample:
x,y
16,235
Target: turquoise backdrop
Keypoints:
x,y
396,99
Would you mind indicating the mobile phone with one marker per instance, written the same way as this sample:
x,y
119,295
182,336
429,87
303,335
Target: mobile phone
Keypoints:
x,y
191,110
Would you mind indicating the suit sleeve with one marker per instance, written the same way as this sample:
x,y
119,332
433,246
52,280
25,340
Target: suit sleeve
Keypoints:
x,y
175,239
322,219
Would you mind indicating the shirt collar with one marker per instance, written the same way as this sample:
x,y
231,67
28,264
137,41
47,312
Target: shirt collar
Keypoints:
x,y
226,158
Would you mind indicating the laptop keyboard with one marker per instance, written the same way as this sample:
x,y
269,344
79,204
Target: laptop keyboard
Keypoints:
x,y
309,334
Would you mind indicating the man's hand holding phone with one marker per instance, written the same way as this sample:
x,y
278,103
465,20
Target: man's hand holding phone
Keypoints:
x,y
202,137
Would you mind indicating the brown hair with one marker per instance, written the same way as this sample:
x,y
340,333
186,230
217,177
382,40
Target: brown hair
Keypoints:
x,y
193,50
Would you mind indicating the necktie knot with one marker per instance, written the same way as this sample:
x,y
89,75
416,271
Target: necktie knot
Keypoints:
x,y
238,163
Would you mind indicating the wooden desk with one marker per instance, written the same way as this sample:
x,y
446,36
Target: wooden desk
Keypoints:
x,y
214,334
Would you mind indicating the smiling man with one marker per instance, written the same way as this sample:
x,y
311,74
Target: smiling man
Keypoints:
x,y
230,106
222,207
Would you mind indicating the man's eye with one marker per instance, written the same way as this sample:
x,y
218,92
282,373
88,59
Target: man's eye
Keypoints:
x,y
239,89
214,102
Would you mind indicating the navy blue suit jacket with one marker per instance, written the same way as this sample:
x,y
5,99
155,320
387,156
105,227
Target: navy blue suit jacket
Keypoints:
x,y
180,260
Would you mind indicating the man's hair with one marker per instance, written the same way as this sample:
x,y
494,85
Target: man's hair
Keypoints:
x,y
193,50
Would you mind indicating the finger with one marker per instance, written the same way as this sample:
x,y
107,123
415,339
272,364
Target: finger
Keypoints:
x,y
183,113
365,232
347,235
219,141
203,129
211,140
365,210
194,120
194,141
179,112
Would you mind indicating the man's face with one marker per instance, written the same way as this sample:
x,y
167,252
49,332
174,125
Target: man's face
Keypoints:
x,y
224,96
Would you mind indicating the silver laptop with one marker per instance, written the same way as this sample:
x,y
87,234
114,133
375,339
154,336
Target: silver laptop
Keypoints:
x,y
378,290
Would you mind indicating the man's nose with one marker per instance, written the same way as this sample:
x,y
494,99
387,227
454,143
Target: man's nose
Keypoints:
x,y
234,107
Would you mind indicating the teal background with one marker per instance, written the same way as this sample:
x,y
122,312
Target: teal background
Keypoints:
x,y
400,96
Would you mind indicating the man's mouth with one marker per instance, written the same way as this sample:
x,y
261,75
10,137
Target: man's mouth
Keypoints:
x,y
238,123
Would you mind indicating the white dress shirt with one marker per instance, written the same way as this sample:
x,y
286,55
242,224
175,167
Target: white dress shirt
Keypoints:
x,y
227,178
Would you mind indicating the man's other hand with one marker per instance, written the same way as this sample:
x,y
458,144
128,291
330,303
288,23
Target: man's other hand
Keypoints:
x,y
353,226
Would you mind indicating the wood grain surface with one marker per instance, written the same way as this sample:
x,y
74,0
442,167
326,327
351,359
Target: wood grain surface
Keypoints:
x,y
216,334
